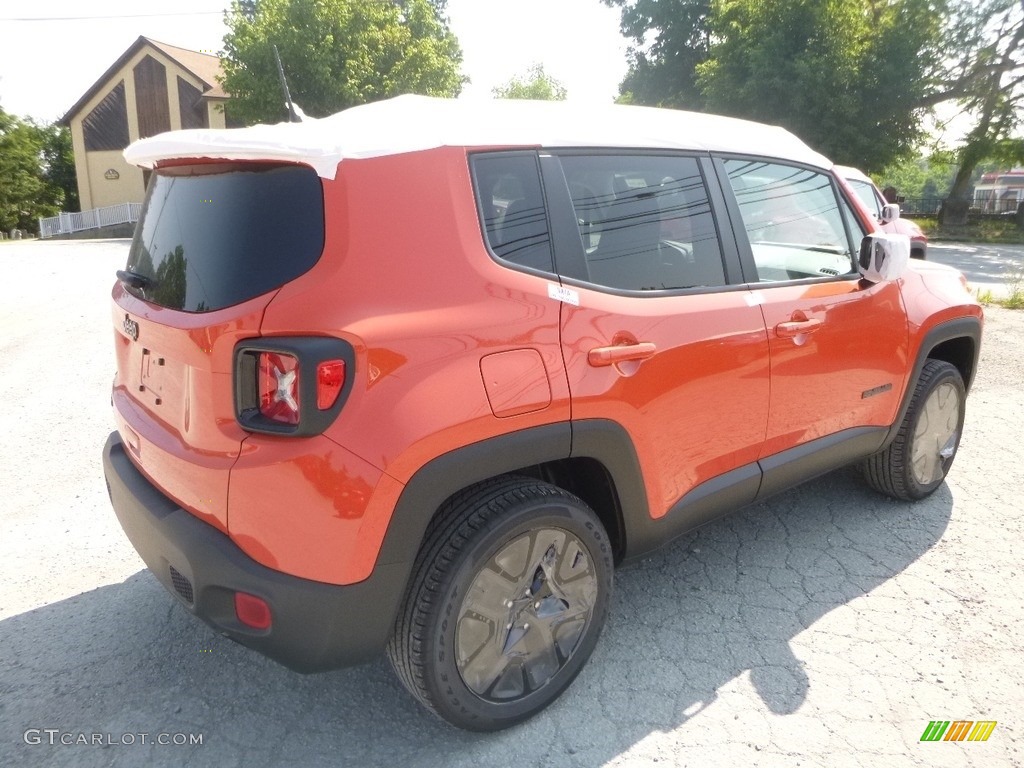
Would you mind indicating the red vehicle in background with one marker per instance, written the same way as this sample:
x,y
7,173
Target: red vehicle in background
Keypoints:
x,y
886,214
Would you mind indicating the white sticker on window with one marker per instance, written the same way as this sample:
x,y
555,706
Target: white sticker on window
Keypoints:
x,y
561,293
755,298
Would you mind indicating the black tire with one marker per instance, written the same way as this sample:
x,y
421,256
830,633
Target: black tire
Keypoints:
x,y
918,459
467,619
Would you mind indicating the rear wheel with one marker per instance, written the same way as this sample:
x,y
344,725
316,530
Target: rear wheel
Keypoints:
x,y
917,461
507,600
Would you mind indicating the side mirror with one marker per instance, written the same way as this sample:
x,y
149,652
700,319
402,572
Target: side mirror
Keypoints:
x,y
883,257
890,213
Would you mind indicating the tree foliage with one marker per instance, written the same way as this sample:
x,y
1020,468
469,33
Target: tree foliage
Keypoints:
x,y
37,172
535,84
918,176
58,165
669,39
985,78
336,54
844,75
854,78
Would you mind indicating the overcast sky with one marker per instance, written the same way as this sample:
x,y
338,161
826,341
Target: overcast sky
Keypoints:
x,y
52,51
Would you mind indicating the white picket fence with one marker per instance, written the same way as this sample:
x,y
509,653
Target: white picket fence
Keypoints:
x,y
66,223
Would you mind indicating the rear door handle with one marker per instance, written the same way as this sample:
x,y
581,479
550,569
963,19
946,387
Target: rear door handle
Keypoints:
x,y
600,356
797,327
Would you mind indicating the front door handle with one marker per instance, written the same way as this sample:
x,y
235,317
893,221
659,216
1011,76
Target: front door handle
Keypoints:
x,y
641,350
797,328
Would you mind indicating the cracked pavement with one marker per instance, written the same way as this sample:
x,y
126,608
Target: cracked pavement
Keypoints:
x,y
826,626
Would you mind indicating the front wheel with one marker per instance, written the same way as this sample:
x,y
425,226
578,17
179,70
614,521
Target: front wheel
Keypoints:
x,y
917,461
507,600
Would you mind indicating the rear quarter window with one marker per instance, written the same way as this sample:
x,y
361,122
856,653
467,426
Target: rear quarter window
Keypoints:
x,y
215,235
512,209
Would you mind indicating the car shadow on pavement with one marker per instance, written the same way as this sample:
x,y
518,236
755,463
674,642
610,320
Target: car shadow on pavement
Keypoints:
x,y
690,624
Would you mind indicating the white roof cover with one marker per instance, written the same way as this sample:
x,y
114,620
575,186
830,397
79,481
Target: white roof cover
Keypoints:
x,y
852,173
412,123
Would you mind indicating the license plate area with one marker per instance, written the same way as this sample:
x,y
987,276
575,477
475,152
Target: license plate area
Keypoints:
x,y
152,377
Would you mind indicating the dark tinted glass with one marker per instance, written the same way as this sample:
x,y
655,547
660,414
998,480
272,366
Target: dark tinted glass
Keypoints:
x,y
512,207
645,221
216,235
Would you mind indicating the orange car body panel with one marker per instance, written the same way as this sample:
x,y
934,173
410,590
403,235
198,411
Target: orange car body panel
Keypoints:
x,y
306,509
933,295
819,378
708,376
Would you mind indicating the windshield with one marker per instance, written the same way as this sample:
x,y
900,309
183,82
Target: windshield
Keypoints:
x,y
215,235
866,193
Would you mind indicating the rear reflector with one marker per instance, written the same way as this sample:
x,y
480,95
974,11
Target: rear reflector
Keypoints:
x,y
330,377
252,611
279,387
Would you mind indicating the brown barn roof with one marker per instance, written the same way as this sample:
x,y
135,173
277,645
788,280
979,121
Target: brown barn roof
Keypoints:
x,y
204,66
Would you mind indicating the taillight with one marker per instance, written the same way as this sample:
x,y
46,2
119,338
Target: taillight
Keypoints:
x,y
330,377
279,387
291,385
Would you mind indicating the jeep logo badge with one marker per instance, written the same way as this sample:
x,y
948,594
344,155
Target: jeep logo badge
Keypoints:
x,y
131,328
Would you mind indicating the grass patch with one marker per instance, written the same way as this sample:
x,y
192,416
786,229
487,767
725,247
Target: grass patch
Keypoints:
x,y
1016,298
1013,300
1000,230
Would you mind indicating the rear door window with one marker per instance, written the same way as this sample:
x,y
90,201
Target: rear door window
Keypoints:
x,y
216,235
645,221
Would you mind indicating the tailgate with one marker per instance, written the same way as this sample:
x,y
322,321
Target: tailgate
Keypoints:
x,y
213,245
174,399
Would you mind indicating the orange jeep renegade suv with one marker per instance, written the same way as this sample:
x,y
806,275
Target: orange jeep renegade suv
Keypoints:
x,y
414,378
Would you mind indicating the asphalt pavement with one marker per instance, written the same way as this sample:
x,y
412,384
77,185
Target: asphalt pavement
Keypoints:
x,y
825,627
993,268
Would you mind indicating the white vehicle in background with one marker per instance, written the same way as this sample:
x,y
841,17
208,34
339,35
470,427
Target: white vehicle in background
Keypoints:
x,y
886,214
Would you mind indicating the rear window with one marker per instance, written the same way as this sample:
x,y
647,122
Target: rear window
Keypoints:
x,y
212,236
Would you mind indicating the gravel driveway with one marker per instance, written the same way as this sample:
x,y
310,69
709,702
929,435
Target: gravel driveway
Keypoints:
x,y
826,626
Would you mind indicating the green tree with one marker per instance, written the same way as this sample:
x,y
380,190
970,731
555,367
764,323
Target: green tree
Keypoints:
x,y
855,78
58,163
847,76
918,176
986,79
336,54
19,172
33,169
535,84
670,38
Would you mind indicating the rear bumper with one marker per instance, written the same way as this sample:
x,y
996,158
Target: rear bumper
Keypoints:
x,y
315,626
